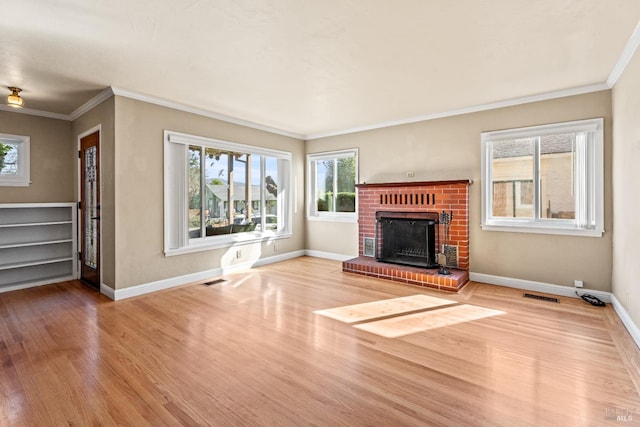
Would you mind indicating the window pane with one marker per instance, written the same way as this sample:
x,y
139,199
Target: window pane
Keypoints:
x,y
243,194
346,198
195,220
217,192
8,159
324,185
557,176
271,193
511,166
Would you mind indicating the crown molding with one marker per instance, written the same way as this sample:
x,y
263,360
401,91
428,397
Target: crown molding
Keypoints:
x,y
39,113
580,90
92,103
623,61
201,112
110,91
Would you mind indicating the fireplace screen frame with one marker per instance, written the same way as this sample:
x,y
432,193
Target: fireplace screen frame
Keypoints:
x,y
429,221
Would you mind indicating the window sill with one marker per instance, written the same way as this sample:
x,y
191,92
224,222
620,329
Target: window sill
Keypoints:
x,y
226,241
333,218
543,230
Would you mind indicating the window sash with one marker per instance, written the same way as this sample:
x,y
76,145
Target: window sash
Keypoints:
x,y
587,181
176,182
312,164
22,177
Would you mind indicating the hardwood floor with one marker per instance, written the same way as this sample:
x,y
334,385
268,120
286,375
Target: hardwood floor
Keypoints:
x,y
250,351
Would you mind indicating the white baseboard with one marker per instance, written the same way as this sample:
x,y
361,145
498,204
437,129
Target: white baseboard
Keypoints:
x,y
107,291
529,285
278,258
172,282
160,285
627,321
328,255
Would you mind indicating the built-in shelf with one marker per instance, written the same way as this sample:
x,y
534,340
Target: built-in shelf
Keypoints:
x,y
38,244
32,224
34,262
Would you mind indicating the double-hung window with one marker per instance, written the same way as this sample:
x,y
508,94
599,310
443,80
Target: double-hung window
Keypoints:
x,y
544,179
332,178
218,193
14,160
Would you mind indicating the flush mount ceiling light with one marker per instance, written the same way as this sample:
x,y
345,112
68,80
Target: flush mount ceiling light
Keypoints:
x,y
15,100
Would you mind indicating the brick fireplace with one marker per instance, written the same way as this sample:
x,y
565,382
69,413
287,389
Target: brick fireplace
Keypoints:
x,y
408,201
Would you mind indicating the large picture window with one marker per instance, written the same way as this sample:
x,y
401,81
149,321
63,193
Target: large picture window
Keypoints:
x,y
219,193
332,185
14,160
545,179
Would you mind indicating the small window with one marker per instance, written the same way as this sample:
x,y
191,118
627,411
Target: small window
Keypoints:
x,y
332,185
544,179
14,160
218,193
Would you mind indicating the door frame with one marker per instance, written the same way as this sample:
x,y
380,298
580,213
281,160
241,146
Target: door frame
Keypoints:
x,y
97,128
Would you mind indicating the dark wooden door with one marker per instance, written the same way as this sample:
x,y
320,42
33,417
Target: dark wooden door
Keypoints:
x,y
90,209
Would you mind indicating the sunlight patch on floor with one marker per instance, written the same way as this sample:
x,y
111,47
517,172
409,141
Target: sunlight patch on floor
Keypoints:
x,y
376,309
419,322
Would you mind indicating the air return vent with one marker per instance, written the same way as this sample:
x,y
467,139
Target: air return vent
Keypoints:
x,y
451,251
541,297
368,246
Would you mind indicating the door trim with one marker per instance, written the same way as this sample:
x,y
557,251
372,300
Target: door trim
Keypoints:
x,y
97,128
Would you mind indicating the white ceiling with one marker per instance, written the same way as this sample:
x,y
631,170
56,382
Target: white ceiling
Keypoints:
x,y
311,67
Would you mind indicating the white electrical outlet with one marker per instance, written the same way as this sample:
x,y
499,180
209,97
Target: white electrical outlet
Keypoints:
x,y
411,174
578,283
238,254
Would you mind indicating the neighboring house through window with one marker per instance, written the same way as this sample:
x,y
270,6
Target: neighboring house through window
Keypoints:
x,y
218,193
14,160
332,185
544,179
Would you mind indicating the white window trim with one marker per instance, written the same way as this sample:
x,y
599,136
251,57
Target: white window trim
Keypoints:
x,y
594,185
23,177
176,232
312,213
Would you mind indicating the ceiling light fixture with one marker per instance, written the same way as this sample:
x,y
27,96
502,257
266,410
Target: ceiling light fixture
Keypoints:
x,y
15,100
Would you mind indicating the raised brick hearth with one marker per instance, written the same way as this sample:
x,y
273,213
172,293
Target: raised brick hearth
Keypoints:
x,y
368,266
433,196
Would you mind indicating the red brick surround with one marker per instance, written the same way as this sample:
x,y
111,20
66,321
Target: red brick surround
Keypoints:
x,y
433,196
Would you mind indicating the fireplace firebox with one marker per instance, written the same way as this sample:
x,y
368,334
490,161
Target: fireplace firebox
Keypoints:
x,y
407,238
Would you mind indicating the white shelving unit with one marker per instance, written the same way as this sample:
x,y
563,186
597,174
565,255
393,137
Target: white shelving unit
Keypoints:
x,y
38,244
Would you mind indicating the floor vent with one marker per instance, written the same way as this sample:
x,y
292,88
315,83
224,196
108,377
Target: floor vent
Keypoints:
x,y
214,282
541,297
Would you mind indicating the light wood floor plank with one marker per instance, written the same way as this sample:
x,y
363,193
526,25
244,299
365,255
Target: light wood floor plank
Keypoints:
x,y
250,351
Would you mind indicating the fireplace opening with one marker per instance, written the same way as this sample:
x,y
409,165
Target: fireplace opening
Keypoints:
x,y
408,238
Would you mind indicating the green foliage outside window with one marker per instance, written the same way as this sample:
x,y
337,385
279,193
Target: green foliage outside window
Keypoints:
x,y
4,150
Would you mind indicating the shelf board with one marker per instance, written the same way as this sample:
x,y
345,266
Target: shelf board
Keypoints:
x,y
44,280
34,262
34,224
40,243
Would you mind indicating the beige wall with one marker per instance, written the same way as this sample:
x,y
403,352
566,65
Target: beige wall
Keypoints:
x,y
52,159
102,115
449,148
138,179
626,201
